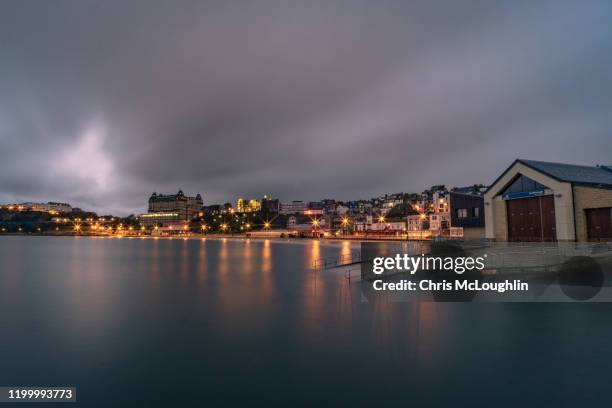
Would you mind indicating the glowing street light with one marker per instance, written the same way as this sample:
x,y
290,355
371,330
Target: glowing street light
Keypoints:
x,y
381,218
267,225
345,223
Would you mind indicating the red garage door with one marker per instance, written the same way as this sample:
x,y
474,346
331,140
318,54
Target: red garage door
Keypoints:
x,y
532,219
599,224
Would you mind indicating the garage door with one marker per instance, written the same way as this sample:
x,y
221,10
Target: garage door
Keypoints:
x,y
599,224
532,219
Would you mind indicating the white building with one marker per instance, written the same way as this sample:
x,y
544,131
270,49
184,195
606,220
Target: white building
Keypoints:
x,y
293,207
439,221
45,207
415,222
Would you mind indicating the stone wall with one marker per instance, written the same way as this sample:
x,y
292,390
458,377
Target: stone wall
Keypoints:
x,y
585,198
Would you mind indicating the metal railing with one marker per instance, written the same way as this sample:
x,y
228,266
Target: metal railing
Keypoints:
x,y
335,262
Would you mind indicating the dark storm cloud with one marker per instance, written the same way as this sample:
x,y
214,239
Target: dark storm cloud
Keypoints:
x,y
102,103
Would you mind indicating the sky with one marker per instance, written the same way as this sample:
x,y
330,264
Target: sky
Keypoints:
x,y
104,102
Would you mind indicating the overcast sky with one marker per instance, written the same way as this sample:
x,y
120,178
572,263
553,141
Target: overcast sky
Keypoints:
x,y
104,102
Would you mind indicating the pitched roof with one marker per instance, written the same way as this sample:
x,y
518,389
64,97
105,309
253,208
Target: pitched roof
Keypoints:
x,y
572,173
568,173
466,190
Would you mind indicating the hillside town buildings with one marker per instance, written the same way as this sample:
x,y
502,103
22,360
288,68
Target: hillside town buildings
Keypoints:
x,y
530,201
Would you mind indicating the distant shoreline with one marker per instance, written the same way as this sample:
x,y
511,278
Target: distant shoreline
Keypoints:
x,y
214,236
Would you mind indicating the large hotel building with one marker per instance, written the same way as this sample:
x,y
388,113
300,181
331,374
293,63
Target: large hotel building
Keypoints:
x,y
171,209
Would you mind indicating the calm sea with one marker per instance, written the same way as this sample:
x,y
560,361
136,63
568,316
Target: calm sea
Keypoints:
x,y
193,323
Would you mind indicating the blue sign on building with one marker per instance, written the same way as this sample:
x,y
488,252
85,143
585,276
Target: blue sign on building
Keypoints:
x,y
522,194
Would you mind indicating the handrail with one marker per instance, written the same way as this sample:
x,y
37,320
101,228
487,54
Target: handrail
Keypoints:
x,y
334,262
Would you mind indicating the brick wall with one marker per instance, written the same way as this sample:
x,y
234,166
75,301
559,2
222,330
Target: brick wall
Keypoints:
x,y
500,219
473,233
585,198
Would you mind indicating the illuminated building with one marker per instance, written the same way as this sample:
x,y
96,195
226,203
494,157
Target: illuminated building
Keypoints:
x,y
160,219
186,207
44,207
251,205
415,222
171,211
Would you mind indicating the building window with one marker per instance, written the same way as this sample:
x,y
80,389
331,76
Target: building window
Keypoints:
x,y
475,212
462,213
523,184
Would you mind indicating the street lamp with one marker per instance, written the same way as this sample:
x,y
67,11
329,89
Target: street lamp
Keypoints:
x,y
315,224
345,223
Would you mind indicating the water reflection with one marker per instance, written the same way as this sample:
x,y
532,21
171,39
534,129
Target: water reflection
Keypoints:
x,y
314,292
223,258
184,261
314,252
202,262
346,250
247,257
266,257
265,272
215,313
153,265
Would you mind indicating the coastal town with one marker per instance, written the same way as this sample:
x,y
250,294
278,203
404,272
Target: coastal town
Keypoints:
x,y
530,201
